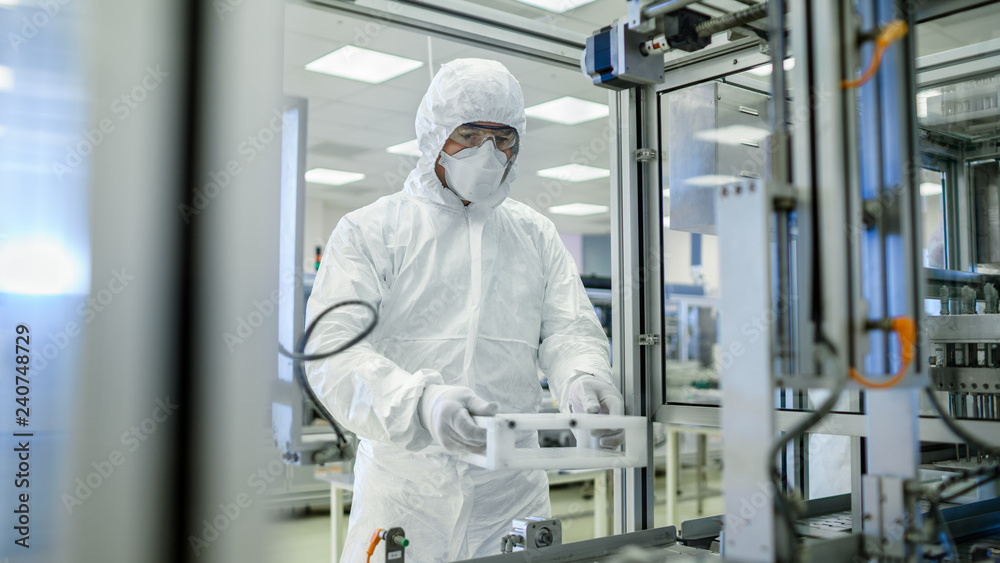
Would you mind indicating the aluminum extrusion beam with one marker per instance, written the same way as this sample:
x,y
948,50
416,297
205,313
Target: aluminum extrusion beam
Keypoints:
x,y
744,212
931,429
636,287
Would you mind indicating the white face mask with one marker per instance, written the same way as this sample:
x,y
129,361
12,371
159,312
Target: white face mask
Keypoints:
x,y
475,173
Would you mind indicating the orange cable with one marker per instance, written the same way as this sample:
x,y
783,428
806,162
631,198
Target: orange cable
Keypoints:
x,y
892,32
906,329
374,543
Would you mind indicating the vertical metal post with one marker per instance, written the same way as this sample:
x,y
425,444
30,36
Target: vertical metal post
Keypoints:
x,y
892,282
744,218
136,232
637,289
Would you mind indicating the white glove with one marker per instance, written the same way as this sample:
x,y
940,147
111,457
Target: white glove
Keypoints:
x,y
588,394
447,410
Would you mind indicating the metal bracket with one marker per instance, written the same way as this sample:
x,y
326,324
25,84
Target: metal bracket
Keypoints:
x,y
634,14
890,515
649,339
645,155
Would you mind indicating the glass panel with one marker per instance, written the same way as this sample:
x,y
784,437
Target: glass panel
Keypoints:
x,y
580,16
711,134
46,303
969,110
932,218
959,189
958,30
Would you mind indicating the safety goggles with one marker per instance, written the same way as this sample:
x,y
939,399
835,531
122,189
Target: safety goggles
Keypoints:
x,y
470,135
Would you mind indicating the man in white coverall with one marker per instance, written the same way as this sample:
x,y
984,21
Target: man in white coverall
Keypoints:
x,y
471,288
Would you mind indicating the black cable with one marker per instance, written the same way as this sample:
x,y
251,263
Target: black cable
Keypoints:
x,y
944,532
935,499
299,357
976,485
782,501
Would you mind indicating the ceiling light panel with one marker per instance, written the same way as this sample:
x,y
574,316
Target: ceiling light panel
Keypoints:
x,y
332,177
557,6
409,148
364,65
568,110
712,180
765,70
930,188
579,209
6,78
574,173
734,135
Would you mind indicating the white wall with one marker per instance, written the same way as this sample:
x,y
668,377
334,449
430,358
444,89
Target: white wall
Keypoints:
x,y
321,216
314,233
677,260
574,243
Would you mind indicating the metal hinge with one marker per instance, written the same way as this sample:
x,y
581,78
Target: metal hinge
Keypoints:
x,y
649,339
645,155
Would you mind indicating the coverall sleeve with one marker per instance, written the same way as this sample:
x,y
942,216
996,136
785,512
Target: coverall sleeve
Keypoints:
x,y
365,391
573,344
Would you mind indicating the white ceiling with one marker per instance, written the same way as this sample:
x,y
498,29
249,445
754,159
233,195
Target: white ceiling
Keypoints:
x,y
959,30
352,123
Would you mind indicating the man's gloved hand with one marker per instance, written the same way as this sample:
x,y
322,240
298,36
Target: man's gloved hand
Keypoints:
x,y
447,410
588,394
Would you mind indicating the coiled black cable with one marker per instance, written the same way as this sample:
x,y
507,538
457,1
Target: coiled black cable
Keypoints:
x,y
299,357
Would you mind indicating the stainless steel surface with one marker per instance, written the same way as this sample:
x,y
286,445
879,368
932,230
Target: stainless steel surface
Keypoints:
x,y
706,126
966,379
744,218
963,328
599,549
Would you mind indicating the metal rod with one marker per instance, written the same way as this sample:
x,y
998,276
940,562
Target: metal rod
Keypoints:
x,y
731,20
662,8
779,108
784,293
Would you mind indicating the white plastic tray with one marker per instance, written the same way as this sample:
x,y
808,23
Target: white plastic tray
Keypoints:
x,y
502,429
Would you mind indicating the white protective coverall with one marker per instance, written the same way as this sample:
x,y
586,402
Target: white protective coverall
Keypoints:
x,y
467,295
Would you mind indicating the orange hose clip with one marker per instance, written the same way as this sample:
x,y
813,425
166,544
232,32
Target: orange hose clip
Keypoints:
x,y
892,32
906,330
374,543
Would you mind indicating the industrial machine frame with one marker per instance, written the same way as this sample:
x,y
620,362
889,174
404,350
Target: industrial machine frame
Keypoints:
x,y
869,277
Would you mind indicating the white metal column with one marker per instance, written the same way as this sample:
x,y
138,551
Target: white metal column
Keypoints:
x,y
637,287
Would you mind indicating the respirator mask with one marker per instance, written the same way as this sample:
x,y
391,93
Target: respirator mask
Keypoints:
x,y
476,172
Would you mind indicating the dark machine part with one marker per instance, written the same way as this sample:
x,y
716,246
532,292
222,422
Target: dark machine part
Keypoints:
x,y
712,26
395,545
613,59
532,533
681,30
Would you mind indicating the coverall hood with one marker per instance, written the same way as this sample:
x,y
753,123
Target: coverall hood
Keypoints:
x,y
463,91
